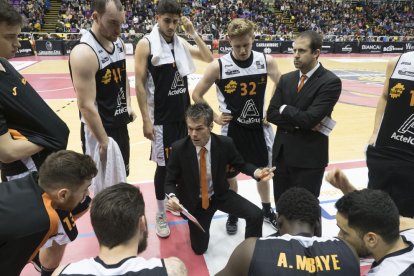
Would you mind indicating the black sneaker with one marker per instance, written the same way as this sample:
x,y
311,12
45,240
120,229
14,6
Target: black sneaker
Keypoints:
x,y
231,225
36,263
271,218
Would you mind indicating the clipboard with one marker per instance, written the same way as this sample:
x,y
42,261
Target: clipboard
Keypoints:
x,y
189,215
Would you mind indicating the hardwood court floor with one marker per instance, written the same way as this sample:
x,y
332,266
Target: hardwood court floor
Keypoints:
x,y
362,77
362,83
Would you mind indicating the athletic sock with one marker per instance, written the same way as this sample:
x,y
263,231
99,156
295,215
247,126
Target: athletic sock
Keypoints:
x,y
161,206
266,208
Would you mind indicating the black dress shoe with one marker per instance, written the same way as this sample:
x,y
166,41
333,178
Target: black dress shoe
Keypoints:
x,y
231,225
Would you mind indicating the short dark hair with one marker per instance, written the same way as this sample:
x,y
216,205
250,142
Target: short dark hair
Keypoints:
x,y
168,6
314,38
115,214
100,5
9,15
370,210
298,204
66,169
200,110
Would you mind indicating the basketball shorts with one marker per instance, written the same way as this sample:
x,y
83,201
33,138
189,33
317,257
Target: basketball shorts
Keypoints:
x,y
165,136
254,144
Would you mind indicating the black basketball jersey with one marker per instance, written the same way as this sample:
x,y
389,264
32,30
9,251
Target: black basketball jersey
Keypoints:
x,y
396,132
167,93
110,81
299,255
132,266
27,116
241,88
28,220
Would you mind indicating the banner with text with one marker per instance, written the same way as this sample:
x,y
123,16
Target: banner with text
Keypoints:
x,y
224,47
267,47
25,49
371,47
49,47
328,47
346,47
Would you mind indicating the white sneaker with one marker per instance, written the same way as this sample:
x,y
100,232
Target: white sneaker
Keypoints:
x,y
161,226
175,213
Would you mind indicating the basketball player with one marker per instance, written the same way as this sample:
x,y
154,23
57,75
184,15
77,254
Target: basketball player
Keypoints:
x,y
119,222
162,63
98,71
36,210
241,78
297,251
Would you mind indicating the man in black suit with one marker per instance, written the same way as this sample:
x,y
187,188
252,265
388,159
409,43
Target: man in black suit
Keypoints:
x,y
303,98
196,174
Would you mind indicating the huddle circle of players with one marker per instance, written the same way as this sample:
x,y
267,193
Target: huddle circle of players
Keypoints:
x,y
196,169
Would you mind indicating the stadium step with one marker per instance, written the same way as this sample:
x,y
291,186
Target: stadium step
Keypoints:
x,y
52,16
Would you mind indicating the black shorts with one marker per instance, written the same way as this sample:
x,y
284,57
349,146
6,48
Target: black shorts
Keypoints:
x,y
165,136
254,144
394,176
120,136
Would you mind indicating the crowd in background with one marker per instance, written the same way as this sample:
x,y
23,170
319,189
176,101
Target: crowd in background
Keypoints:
x,y
280,20
34,12
361,20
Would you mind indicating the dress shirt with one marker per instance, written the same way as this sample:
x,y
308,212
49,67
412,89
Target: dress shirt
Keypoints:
x,y
308,75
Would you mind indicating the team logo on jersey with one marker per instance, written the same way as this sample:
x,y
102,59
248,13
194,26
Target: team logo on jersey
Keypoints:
x,y
250,114
405,133
121,103
24,81
230,87
262,80
14,93
259,65
177,86
397,90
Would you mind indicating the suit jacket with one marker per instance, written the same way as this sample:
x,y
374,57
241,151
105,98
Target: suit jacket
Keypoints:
x,y
183,177
303,147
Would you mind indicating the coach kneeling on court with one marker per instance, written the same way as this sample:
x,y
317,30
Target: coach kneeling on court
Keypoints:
x,y
196,174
